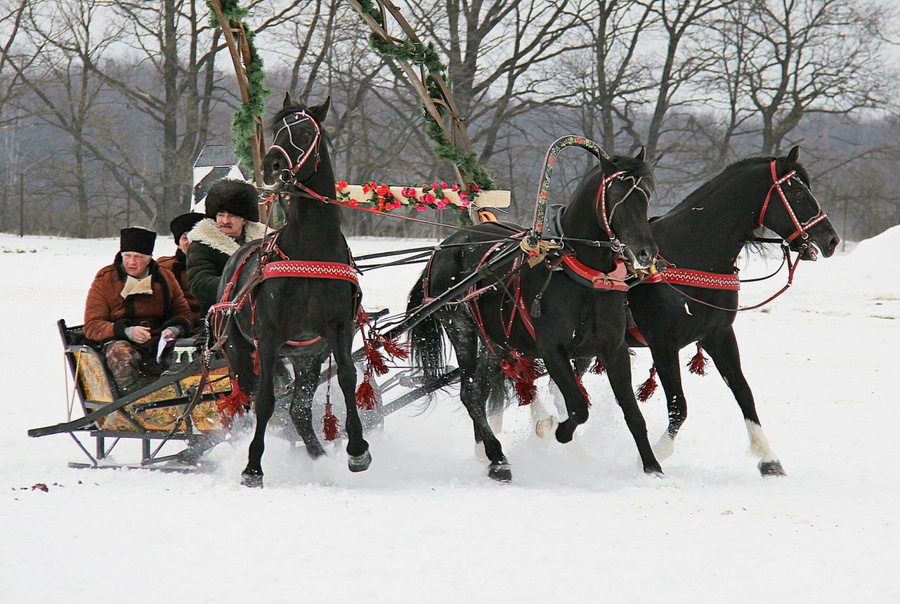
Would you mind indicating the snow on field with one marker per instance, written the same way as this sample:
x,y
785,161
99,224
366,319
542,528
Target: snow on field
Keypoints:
x,y
579,523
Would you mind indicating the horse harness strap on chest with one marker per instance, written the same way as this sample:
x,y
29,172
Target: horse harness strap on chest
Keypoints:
x,y
683,276
589,277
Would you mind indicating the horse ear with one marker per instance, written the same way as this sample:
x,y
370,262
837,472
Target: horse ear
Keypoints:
x,y
791,160
320,111
642,154
608,166
288,101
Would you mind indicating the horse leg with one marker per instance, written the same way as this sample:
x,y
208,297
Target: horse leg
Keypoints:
x,y
665,359
306,380
618,369
723,349
545,424
560,369
358,456
252,476
479,371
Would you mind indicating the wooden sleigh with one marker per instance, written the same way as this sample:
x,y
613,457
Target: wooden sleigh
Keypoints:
x,y
161,414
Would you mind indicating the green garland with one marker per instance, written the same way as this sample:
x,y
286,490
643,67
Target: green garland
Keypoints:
x,y
243,124
426,55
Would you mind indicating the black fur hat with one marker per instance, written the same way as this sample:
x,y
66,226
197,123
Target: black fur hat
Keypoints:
x,y
235,197
183,224
137,239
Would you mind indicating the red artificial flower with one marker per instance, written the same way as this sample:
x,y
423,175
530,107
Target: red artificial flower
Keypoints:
x,y
341,185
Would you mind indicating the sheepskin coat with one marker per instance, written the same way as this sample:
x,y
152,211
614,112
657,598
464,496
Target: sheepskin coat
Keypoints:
x,y
178,265
107,314
207,255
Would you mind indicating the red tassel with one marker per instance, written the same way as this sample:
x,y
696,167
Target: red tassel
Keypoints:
x,y
598,367
523,371
395,348
375,358
698,363
233,404
583,389
365,395
646,390
255,356
330,424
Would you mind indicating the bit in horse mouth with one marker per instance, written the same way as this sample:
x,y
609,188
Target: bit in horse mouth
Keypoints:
x,y
810,253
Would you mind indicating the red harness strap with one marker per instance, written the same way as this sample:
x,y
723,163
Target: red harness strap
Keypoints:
x,y
315,270
614,280
683,276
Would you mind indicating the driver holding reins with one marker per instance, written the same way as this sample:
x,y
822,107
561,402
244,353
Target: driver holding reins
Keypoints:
x,y
232,212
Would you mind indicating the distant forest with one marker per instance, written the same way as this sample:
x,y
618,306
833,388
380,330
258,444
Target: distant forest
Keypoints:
x,y
105,105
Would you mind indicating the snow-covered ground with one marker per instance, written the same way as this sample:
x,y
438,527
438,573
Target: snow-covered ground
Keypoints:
x,y
579,523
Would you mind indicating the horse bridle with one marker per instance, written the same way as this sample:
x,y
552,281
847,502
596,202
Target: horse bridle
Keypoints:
x,y
289,174
802,228
600,204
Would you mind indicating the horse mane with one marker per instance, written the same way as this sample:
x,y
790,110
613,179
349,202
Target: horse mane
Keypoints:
x,y
702,192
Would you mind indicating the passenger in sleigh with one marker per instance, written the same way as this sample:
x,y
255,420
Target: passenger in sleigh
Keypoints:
x,y
232,214
180,227
131,304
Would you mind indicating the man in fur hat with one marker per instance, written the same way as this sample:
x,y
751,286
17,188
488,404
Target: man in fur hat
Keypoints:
x,y
131,304
232,214
180,226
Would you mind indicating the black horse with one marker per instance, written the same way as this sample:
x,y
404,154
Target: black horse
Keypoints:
x,y
571,304
701,238
306,317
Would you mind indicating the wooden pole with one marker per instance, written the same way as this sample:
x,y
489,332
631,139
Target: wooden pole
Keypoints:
x,y
240,58
21,204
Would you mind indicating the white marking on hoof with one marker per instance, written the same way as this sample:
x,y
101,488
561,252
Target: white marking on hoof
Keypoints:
x,y
759,444
664,447
480,455
546,428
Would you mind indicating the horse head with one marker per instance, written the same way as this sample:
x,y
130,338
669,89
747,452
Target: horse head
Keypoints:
x,y
794,213
622,204
296,147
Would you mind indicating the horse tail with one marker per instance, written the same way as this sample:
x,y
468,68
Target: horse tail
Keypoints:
x,y
426,338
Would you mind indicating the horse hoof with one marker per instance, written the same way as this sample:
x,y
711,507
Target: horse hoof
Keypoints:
x,y
359,463
654,471
500,472
771,468
565,431
546,427
252,479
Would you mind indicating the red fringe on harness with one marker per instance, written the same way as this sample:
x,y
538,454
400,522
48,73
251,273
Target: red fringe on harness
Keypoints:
x,y
598,367
523,371
330,424
698,363
583,389
365,394
232,404
646,390
255,356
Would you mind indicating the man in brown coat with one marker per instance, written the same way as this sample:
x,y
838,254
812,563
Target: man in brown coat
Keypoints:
x,y
180,227
131,304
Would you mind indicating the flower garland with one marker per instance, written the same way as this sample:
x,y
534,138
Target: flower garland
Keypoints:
x,y
384,198
427,56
